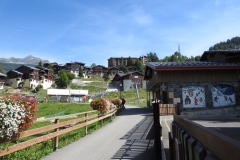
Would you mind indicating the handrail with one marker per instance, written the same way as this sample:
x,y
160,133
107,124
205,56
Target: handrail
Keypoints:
x,y
55,134
218,144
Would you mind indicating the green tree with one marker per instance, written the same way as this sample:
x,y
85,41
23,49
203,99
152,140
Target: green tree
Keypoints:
x,y
123,68
40,63
228,45
62,80
93,65
80,73
2,69
106,77
70,76
50,66
129,61
152,57
139,65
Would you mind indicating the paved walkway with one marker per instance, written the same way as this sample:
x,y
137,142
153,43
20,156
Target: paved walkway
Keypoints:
x,y
129,136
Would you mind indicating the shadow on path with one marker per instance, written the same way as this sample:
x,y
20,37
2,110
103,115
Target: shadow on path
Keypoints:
x,y
140,139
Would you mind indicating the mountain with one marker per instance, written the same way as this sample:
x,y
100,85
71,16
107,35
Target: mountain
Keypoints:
x,y
27,60
13,63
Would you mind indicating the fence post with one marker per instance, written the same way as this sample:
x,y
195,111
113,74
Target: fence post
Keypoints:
x,y
56,138
86,127
157,131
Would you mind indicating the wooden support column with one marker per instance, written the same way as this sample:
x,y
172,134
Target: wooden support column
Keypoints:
x,y
56,138
86,127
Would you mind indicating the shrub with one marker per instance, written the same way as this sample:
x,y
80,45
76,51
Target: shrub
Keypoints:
x,y
117,102
17,114
99,104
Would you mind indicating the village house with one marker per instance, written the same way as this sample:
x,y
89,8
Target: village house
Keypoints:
x,y
113,70
46,77
15,78
29,76
99,70
210,83
87,72
129,81
2,80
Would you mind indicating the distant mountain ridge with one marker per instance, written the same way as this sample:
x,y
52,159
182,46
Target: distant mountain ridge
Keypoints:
x,y
27,60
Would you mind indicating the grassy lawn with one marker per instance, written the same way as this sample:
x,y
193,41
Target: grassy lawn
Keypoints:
x,y
57,109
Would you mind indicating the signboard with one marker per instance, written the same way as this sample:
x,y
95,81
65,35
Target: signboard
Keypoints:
x,y
193,96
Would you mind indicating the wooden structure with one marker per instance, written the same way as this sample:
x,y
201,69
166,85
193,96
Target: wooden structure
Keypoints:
x,y
129,81
193,85
66,126
189,140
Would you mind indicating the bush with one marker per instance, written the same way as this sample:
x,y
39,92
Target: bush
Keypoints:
x,y
99,104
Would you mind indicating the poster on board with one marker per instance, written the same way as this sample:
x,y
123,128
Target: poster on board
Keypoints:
x,y
193,97
223,95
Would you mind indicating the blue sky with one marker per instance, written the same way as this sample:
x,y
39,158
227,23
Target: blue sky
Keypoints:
x,y
92,31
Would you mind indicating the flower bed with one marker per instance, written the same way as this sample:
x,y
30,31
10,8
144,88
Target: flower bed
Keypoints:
x,y
16,114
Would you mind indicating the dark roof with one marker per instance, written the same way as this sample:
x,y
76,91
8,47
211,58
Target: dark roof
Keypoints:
x,y
15,72
87,67
192,65
42,68
226,52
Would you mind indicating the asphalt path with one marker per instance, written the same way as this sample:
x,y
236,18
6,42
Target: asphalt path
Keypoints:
x,y
130,129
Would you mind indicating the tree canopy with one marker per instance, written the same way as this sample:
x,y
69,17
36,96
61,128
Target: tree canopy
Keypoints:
x,y
152,57
139,65
62,80
178,57
93,65
228,45
80,73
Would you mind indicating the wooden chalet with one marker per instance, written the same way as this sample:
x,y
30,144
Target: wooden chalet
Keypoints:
x,y
113,71
14,78
129,81
99,70
46,77
211,82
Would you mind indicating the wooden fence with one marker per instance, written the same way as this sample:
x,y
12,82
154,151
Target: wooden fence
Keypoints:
x,y
69,126
168,109
189,141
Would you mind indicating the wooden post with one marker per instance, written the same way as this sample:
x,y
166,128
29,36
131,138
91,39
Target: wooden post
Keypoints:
x,y
157,131
86,127
56,138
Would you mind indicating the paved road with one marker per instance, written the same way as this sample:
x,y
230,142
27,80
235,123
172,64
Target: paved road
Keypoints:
x,y
129,136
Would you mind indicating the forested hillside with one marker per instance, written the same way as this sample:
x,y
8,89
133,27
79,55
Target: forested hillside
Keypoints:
x,y
228,45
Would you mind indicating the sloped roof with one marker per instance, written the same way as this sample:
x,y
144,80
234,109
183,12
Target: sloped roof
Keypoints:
x,y
4,75
199,65
15,72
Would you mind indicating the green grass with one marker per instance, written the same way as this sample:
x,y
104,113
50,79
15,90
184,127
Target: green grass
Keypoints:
x,y
93,78
48,109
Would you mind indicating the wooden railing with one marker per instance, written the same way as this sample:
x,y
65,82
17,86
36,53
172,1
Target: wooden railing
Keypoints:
x,y
189,140
69,126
